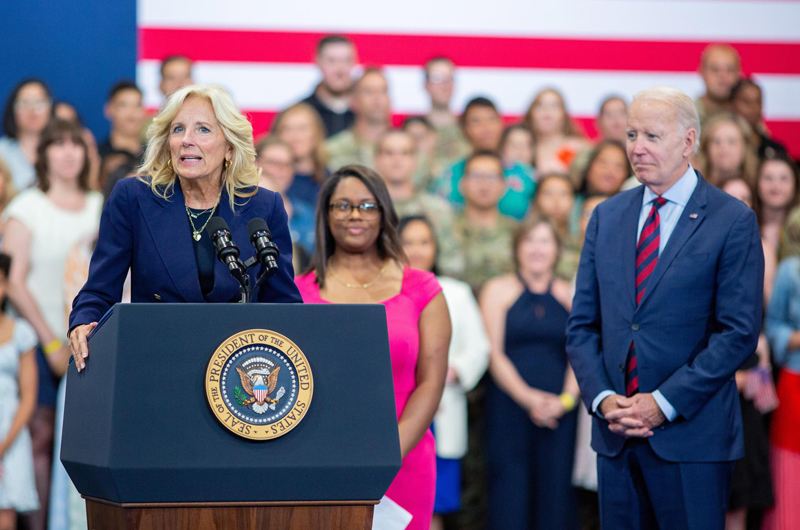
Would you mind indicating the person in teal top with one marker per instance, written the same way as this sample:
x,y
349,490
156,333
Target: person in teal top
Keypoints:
x,y
521,188
483,128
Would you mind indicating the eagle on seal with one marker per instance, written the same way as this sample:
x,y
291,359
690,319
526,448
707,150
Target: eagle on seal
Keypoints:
x,y
257,388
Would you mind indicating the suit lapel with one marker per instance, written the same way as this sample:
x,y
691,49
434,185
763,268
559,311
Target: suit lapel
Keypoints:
x,y
691,218
170,231
630,228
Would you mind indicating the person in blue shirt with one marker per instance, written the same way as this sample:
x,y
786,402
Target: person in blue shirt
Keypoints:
x,y
783,331
301,128
274,157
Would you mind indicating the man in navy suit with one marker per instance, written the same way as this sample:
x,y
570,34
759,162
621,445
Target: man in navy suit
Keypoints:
x,y
667,307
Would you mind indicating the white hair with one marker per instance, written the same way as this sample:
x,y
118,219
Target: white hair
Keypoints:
x,y
685,109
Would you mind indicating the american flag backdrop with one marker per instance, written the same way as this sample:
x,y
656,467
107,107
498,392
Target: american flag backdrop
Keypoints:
x,y
262,50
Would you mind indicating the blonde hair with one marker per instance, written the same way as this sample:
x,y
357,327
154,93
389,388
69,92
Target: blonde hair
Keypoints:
x,y
319,153
685,110
240,178
747,170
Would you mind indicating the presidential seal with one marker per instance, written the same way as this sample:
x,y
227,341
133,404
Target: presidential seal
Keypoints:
x,y
259,384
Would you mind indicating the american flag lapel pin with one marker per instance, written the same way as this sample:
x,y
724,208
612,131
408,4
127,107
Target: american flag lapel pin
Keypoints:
x,y
692,216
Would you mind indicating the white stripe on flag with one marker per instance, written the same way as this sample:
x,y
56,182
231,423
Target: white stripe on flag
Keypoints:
x,y
272,86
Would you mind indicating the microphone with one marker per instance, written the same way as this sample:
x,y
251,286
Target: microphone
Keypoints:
x,y
266,251
226,249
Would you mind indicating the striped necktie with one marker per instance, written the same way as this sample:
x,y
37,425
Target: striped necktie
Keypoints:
x,y
646,259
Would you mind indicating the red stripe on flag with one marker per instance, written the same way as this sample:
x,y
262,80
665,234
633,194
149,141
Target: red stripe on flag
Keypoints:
x,y
786,132
464,50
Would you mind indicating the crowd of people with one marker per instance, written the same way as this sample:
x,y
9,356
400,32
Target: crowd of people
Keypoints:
x,y
496,213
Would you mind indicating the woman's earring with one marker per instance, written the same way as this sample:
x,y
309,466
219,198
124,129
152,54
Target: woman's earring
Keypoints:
x,y
227,164
169,163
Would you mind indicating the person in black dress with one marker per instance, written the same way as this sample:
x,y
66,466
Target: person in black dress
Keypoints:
x,y
530,401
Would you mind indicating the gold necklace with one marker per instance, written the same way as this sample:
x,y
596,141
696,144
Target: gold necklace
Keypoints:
x,y
194,215
358,285
198,234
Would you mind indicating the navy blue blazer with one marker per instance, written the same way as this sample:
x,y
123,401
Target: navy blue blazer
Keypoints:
x,y
698,321
152,237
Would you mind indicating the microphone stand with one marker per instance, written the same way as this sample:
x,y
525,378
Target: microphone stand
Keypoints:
x,y
244,289
228,252
263,276
266,251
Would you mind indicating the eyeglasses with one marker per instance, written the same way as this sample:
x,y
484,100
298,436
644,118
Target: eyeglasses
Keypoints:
x,y
341,210
38,106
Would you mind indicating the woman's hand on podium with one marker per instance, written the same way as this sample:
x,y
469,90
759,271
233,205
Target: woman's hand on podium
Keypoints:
x,y
78,345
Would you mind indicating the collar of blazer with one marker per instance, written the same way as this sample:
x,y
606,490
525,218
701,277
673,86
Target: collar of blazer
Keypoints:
x,y
168,224
691,218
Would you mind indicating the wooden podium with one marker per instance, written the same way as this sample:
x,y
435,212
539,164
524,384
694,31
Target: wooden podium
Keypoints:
x,y
104,514
144,448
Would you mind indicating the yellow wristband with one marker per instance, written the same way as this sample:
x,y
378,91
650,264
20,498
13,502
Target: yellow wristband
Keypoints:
x,y
52,347
568,400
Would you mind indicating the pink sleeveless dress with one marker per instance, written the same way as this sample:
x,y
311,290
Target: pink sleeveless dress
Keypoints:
x,y
414,487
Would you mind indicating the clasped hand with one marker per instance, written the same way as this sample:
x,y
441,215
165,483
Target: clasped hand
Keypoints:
x,y
544,408
633,417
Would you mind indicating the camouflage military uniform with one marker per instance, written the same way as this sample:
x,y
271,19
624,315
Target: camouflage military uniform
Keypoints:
x,y
567,266
440,214
486,252
451,146
345,149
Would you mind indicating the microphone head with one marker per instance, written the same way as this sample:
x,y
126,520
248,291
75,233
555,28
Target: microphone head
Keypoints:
x,y
257,225
215,224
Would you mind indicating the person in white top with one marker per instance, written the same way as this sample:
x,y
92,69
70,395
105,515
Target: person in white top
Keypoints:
x,y
468,359
42,224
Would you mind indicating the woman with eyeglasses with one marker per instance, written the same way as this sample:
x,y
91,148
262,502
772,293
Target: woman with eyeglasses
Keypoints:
x,y
274,157
359,259
27,111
